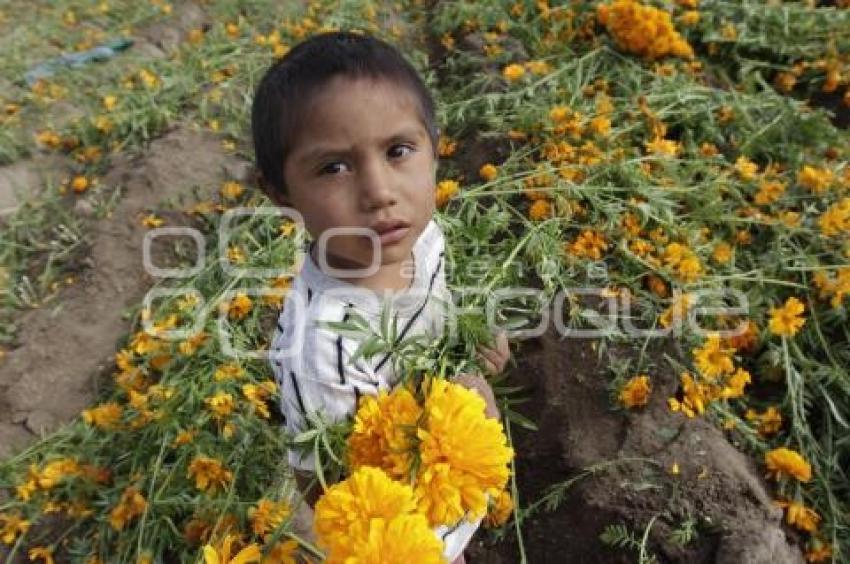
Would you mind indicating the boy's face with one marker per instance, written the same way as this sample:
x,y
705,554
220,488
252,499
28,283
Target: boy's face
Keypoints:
x,y
362,156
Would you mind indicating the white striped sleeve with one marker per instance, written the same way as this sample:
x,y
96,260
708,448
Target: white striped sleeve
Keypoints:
x,y
320,377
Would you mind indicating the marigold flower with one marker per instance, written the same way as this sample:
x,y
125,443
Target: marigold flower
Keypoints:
x,y
769,192
836,219
446,146
221,553
798,515
787,320
635,392
79,184
446,190
474,447
105,416
746,168
209,474
784,461
131,505
540,210
663,147
13,526
513,72
488,172
712,359
815,179
500,509
231,190
643,30
589,244
346,511
221,404
384,432
267,516
41,552
239,307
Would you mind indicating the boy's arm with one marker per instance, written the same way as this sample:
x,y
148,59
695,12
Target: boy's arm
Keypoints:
x,y
308,486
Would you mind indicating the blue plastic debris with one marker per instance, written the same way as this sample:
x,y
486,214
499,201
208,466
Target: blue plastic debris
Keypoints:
x,y
74,60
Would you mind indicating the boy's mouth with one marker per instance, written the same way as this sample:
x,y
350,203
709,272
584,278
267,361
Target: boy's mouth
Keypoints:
x,y
391,231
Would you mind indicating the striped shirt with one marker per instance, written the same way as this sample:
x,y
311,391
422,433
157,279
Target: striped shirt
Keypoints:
x,y
311,363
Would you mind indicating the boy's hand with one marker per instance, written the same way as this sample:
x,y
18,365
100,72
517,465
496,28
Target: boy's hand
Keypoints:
x,y
495,359
477,383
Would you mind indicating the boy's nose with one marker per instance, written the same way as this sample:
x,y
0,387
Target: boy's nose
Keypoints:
x,y
376,186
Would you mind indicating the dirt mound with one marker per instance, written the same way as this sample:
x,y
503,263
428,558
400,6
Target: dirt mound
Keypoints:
x,y
49,378
628,461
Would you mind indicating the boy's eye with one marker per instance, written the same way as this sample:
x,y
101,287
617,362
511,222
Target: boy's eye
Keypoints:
x,y
397,151
332,168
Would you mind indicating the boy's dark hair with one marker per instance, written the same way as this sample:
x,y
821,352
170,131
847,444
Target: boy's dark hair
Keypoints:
x,y
288,84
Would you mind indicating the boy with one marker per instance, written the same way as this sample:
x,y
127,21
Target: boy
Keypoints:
x,y
344,132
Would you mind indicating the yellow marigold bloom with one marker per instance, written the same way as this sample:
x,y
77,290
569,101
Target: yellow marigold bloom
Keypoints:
x,y
500,509
191,345
734,387
257,396
184,437
836,219
446,190
787,320
406,538
643,30
221,553
815,179
131,505
800,516
682,260
209,474
109,102
105,416
746,168
103,124
239,307
819,551
282,553
538,67
663,147
784,461
41,552
231,190
722,252
769,423
13,525
79,184
221,404
231,29
446,146
539,210
152,221
488,172
267,516
835,287
229,371
635,392
589,244
345,512
513,72
235,255
690,18
600,125
474,447
559,113
769,192
695,396
712,359
384,432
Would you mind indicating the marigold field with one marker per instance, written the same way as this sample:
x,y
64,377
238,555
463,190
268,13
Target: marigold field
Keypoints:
x,y
678,156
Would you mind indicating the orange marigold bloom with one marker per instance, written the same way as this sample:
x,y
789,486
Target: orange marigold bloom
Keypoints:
x,y
539,210
786,462
635,392
800,516
589,244
446,190
787,320
815,179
